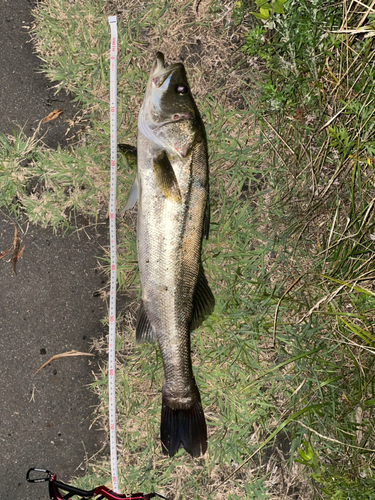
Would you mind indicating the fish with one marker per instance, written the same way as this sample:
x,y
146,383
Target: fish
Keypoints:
x,y
172,191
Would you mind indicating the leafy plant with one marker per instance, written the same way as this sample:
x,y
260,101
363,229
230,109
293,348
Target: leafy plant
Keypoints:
x,y
293,46
267,9
337,485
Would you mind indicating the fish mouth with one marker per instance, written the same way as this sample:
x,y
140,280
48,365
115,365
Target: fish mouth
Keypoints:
x,y
160,72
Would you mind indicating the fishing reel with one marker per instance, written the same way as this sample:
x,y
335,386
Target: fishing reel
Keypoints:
x,y
62,491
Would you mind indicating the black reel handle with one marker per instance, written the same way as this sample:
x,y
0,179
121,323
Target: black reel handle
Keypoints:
x,y
62,491
55,486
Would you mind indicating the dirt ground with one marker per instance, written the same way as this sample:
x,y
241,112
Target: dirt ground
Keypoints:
x,y
50,306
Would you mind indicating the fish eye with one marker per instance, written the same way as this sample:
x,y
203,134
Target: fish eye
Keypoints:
x,y
181,89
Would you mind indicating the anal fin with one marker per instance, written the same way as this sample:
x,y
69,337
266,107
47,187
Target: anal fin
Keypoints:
x,y
144,333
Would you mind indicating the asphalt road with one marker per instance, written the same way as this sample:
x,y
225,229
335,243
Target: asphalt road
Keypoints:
x,y
50,306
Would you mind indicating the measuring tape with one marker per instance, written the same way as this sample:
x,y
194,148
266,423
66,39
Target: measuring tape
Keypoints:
x,y
112,234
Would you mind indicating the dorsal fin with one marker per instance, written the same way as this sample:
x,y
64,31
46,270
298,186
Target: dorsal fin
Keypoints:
x,y
206,220
203,300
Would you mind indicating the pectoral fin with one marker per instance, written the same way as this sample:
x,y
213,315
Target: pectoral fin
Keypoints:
x,y
203,301
166,178
130,153
133,197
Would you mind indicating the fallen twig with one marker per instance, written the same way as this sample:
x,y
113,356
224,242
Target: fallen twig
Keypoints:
x,y
64,355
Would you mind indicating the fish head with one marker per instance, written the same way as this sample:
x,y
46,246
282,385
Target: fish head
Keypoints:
x,y
169,109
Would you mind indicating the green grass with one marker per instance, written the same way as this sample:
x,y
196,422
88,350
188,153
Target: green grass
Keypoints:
x,y
49,186
285,363
322,145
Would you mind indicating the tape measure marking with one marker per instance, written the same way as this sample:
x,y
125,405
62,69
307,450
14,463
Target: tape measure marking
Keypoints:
x,y
112,234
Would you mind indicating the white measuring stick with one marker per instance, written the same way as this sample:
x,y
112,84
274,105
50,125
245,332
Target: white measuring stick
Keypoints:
x,y
112,234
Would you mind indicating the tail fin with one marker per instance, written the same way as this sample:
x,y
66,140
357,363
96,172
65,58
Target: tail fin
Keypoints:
x,y
185,427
